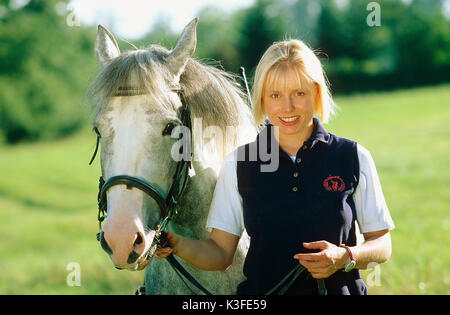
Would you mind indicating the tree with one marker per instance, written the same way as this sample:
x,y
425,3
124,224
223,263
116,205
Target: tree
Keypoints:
x,y
261,25
46,68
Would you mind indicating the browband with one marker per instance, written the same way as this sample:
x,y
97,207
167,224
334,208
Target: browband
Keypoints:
x,y
130,91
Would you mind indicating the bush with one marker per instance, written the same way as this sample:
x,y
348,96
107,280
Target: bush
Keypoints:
x,y
46,68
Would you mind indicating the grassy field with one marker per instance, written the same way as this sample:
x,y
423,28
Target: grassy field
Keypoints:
x,y
48,201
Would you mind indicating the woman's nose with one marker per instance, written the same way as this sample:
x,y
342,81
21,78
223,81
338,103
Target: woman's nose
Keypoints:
x,y
288,105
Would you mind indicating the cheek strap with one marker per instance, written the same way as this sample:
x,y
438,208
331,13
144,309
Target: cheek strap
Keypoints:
x,y
96,149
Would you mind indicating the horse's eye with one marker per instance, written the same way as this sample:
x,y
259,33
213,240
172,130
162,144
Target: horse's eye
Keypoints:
x,y
168,129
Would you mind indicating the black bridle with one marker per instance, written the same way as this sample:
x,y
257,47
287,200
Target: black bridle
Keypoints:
x,y
166,203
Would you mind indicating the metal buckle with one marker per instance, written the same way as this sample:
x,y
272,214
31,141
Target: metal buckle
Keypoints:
x,y
140,290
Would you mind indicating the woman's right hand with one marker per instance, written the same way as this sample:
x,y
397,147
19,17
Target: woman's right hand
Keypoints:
x,y
174,240
214,253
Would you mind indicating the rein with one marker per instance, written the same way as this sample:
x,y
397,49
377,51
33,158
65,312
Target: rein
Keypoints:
x,y
167,204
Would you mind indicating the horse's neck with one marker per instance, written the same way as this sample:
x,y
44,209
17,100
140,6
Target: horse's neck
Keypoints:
x,y
194,204
196,201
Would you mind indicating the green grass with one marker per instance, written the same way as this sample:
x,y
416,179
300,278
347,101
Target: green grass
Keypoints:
x,y
48,219
48,200
408,134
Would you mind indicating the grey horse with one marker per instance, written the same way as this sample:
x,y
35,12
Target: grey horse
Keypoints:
x,y
135,96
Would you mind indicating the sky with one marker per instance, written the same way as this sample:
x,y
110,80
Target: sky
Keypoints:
x,y
133,18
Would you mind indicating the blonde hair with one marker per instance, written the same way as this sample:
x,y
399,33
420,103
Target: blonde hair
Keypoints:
x,y
296,55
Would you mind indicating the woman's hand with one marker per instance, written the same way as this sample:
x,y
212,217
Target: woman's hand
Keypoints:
x,y
174,241
323,264
215,253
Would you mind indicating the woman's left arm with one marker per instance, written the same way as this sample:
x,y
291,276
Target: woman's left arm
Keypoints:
x,y
376,249
331,258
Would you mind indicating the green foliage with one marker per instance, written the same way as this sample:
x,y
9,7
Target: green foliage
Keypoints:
x,y
410,47
161,34
345,33
261,25
44,75
217,37
425,34
46,65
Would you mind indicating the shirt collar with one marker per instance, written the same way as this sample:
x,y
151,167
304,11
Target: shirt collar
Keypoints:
x,y
319,134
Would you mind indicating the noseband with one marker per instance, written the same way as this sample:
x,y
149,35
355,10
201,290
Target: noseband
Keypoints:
x,y
166,203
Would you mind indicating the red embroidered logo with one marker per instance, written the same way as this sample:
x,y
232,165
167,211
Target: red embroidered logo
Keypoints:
x,y
334,183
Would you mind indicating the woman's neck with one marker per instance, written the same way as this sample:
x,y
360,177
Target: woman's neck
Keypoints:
x,y
292,143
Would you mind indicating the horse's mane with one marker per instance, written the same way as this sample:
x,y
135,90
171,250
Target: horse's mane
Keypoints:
x,y
211,93
214,95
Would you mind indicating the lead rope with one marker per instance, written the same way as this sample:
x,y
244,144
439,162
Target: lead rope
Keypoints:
x,y
296,271
322,287
181,271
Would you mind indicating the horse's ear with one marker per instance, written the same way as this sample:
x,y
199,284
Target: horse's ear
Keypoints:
x,y
184,49
106,47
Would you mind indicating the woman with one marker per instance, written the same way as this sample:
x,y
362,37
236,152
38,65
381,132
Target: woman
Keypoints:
x,y
304,212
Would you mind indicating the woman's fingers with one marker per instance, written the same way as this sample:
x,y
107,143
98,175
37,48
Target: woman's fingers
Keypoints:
x,y
310,263
171,247
319,269
163,252
143,265
173,239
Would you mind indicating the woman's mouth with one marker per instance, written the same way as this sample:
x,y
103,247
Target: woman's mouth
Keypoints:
x,y
289,121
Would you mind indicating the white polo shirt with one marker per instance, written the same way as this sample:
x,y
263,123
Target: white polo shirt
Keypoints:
x,y
372,213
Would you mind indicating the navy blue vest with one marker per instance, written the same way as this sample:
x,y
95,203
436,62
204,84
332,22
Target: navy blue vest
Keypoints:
x,y
302,201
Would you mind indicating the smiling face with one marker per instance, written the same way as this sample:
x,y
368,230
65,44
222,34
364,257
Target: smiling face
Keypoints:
x,y
289,102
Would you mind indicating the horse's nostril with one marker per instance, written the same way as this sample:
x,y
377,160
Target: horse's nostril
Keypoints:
x,y
104,244
138,239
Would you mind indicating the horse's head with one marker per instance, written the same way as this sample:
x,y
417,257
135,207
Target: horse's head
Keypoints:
x,y
137,108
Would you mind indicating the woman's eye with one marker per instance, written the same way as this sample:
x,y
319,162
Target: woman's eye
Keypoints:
x,y
168,129
275,95
300,93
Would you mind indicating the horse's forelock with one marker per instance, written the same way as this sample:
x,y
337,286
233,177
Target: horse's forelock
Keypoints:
x,y
141,69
